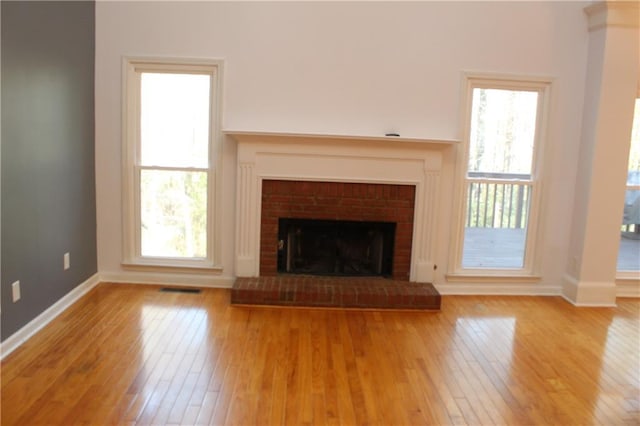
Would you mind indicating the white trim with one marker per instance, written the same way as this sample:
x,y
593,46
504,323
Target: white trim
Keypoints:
x,y
496,289
167,265
628,288
12,342
588,293
131,69
627,276
338,159
174,279
502,277
621,14
541,85
588,304
265,137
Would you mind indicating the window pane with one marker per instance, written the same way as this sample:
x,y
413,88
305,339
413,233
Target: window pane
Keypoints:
x,y
496,225
173,210
629,250
174,119
502,133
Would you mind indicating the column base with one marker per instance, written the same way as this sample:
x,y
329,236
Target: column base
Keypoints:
x,y
246,267
589,293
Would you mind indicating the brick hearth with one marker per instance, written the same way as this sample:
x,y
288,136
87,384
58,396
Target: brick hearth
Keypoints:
x,y
341,292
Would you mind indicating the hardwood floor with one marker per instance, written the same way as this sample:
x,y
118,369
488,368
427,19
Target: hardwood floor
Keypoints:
x,y
131,354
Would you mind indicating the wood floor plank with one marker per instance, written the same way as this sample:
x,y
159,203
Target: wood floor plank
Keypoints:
x,y
127,354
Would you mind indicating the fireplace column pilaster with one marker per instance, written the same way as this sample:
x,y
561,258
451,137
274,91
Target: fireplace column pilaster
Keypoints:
x,y
249,221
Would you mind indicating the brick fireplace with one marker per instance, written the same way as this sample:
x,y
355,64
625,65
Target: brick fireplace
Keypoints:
x,y
346,178
377,178
344,201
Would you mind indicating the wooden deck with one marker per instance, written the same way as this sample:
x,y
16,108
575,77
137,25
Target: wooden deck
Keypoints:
x,y
504,248
629,254
127,354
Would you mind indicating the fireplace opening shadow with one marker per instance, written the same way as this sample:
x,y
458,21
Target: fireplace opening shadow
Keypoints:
x,y
335,247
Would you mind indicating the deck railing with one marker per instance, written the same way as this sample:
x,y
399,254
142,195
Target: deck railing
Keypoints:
x,y
495,200
631,197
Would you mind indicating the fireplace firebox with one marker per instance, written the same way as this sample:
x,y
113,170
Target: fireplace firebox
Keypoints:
x,y
335,247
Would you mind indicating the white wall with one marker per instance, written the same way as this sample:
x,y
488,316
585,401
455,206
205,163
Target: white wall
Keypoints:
x,y
348,68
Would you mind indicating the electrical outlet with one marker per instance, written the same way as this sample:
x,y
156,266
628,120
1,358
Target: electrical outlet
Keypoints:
x,y
15,289
67,261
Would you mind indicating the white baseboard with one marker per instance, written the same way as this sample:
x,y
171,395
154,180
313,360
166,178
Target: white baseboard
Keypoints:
x,y
12,342
155,278
589,293
628,288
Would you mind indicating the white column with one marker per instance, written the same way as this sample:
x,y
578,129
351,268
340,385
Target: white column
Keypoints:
x,y
423,247
247,228
611,87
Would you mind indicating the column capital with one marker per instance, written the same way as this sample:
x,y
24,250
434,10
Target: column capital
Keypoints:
x,y
622,14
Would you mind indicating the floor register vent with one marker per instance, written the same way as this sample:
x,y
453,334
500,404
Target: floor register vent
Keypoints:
x,y
180,290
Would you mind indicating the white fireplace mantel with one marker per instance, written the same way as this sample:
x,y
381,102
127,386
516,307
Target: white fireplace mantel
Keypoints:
x,y
257,136
337,158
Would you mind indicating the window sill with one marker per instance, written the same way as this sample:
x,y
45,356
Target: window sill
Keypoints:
x,y
491,278
171,267
628,276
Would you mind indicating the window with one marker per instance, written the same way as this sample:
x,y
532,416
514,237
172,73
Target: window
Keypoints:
x,y
500,187
171,163
629,250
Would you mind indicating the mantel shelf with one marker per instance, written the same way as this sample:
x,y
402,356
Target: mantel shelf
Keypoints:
x,y
261,136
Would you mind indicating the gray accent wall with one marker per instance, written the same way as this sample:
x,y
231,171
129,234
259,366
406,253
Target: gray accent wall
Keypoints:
x,y
48,178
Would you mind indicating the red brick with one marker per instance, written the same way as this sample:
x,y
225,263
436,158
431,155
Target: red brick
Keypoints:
x,y
406,191
272,199
396,203
386,192
339,201
393,192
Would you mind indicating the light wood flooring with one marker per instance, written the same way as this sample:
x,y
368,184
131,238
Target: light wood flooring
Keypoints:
x,y
129,354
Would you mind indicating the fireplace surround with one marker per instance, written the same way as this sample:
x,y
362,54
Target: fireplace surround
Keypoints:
x,y
341,160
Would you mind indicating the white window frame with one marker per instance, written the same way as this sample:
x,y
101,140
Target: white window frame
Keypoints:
x,y
528,273
131,71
